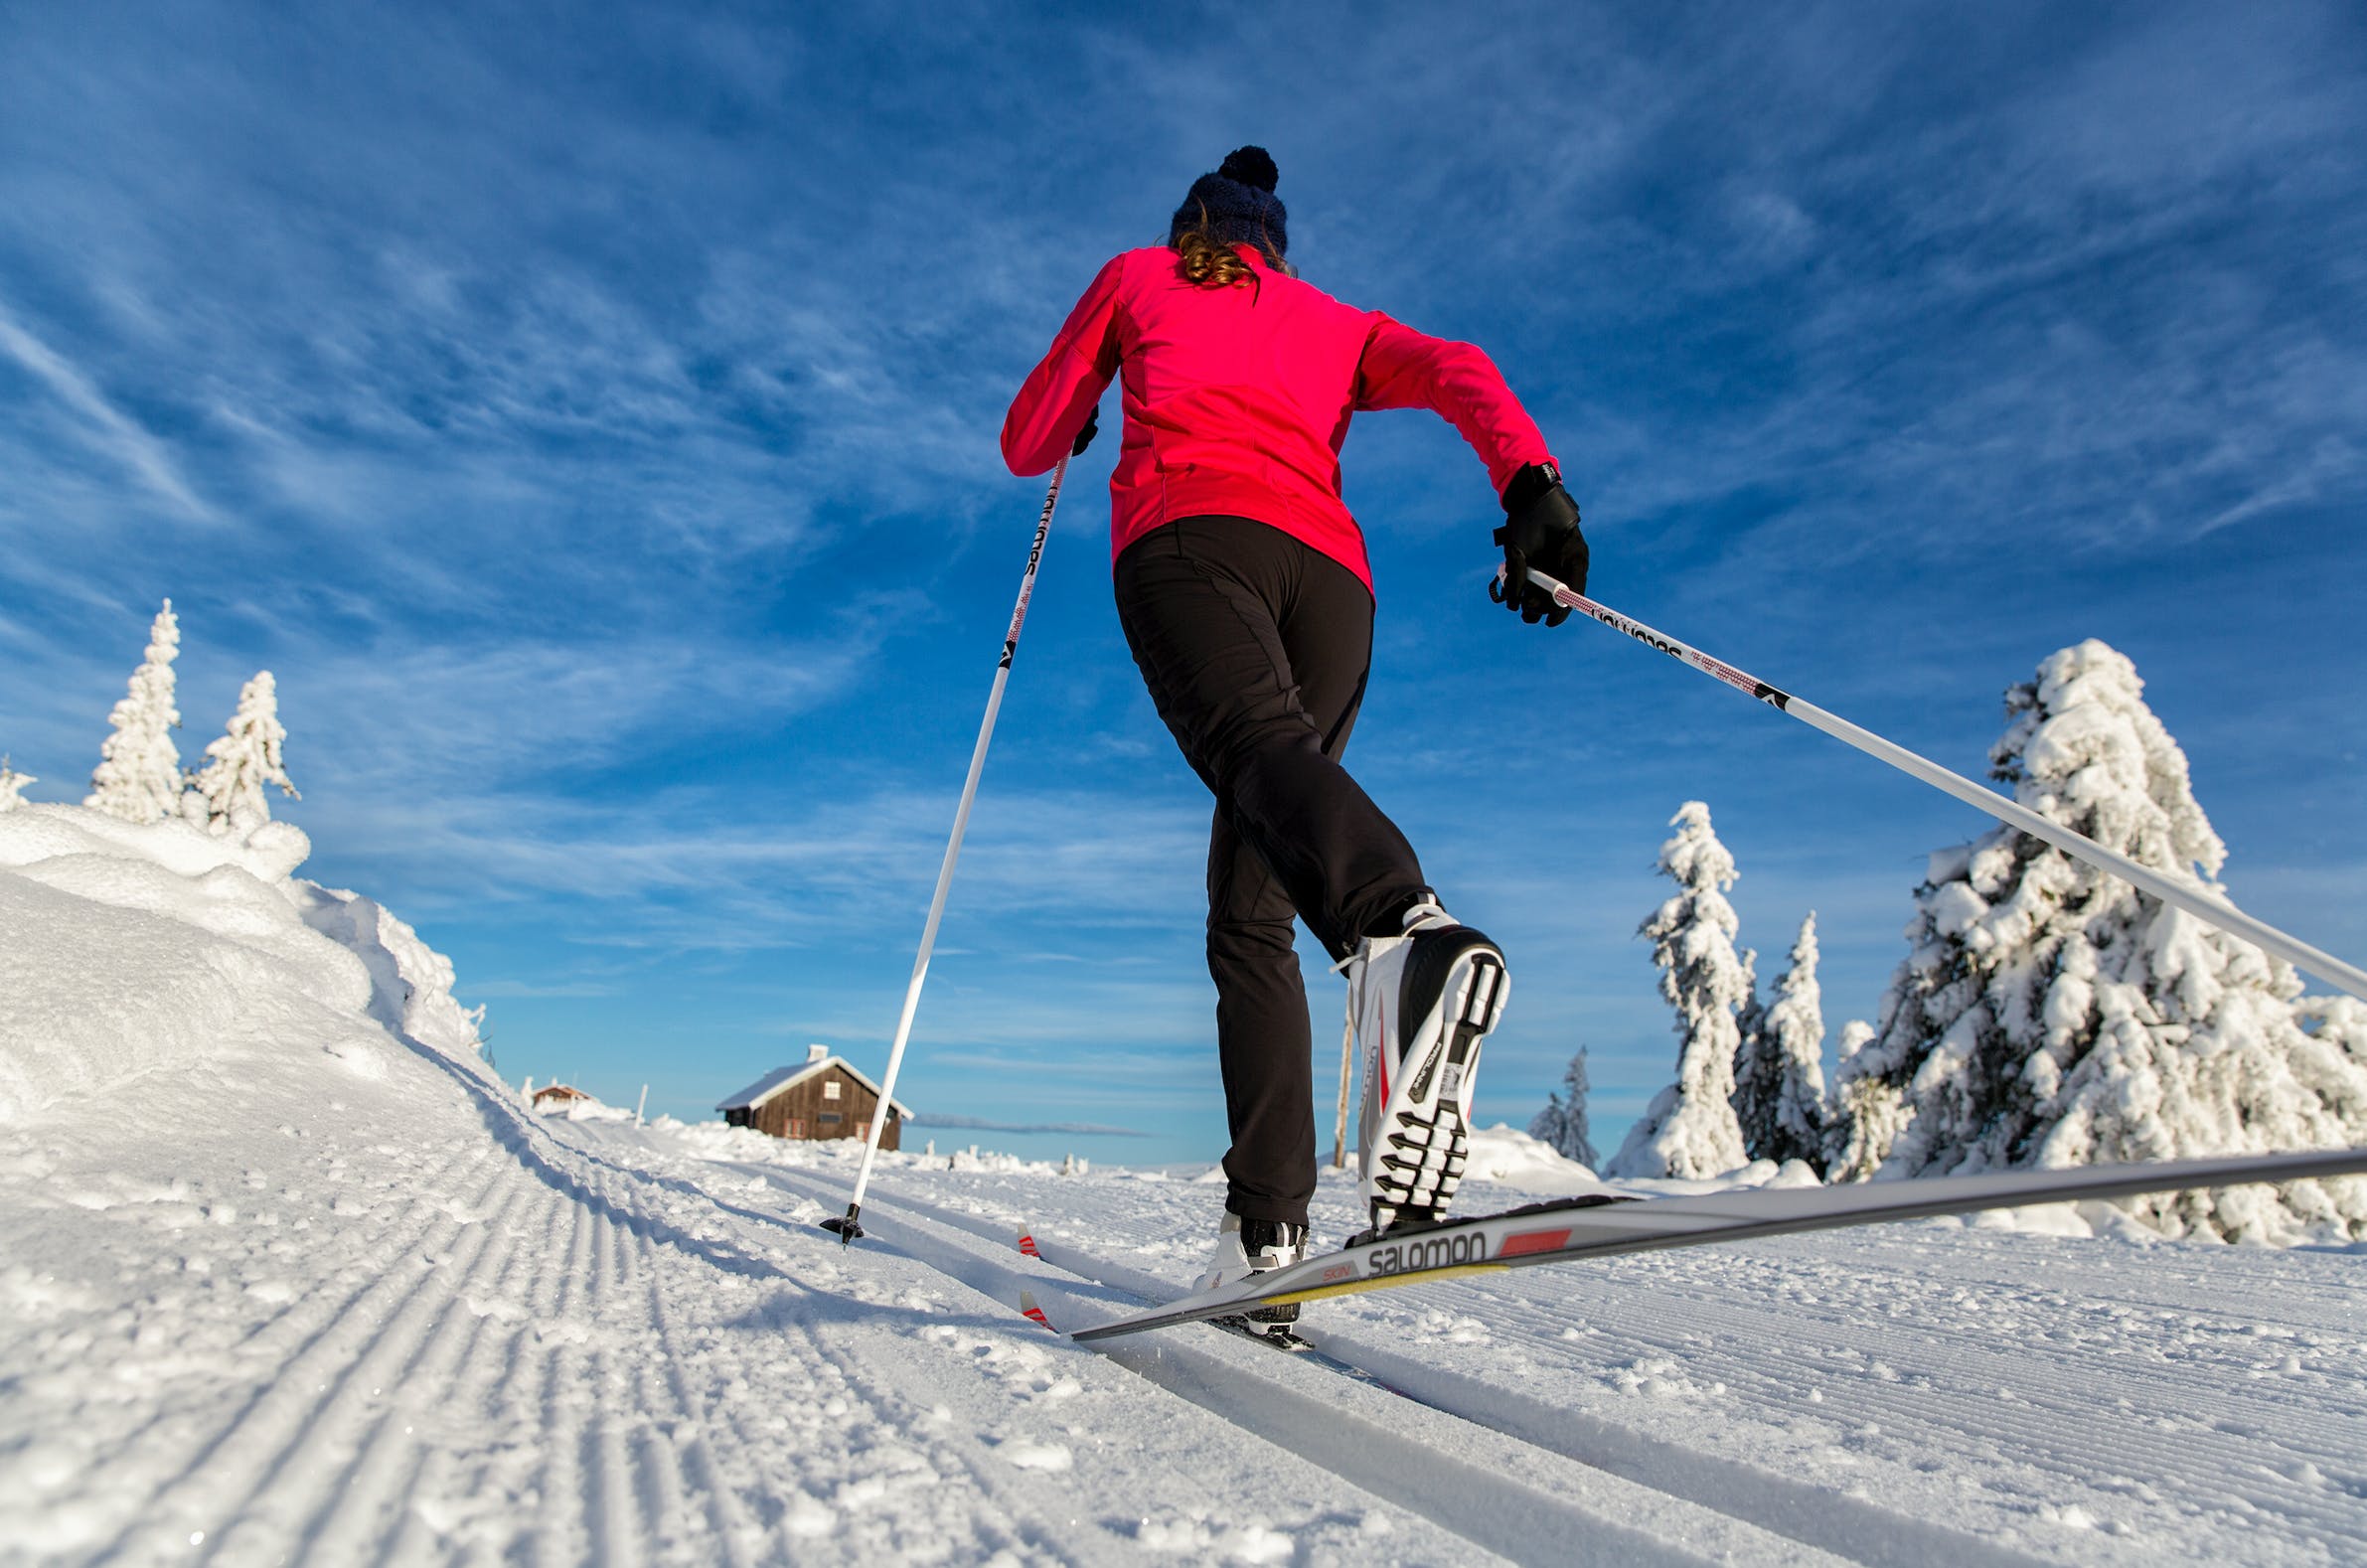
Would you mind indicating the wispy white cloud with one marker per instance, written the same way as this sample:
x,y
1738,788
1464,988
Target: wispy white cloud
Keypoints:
x,y
507,989
104,425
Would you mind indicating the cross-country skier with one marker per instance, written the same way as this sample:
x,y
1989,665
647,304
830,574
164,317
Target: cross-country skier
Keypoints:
x,y
1245,596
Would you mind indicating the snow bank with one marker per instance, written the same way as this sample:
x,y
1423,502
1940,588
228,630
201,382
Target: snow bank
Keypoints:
x,y
716,1141
589,1109
132,950
1503,1154
1742,1178
720,1142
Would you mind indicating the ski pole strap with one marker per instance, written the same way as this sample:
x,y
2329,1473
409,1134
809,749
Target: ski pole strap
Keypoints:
x,y
2206,906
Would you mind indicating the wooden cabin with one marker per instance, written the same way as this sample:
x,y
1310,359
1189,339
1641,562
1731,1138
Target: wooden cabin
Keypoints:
x,y
556,1099
823,1097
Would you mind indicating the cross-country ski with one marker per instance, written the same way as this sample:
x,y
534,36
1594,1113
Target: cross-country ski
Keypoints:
x,y
582,980
1605,1225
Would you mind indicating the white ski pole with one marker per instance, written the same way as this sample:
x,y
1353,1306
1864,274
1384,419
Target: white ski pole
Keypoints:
x,y
845,1226
2206,907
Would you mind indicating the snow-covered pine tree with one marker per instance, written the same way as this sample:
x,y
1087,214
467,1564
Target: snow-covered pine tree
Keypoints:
x,y
1758,1073
245,759
1690,1129
1778,1074
1551,1125
12,785
1562,1125
2336,1022
1750,1020
139,771
2050,1015
1863,1114
1578,1140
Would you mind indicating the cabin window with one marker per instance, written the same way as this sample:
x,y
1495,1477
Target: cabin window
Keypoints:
x,y
830,1118
829,1090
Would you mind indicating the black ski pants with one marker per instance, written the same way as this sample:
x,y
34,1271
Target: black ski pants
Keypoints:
x,y
1256,648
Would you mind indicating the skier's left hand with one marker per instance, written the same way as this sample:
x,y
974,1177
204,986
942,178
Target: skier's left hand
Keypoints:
x,y
1084,437
1541,531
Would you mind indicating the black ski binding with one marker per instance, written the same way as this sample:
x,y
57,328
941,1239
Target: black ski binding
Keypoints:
x,y
1274,1336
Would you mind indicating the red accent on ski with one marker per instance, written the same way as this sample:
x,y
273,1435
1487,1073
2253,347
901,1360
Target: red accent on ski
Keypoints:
x,y
1028,1310
1027,1245
1533,1241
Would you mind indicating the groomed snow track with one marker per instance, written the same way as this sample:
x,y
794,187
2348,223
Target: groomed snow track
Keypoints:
x,y
532,1369
386,1316
1532,1483
431,1328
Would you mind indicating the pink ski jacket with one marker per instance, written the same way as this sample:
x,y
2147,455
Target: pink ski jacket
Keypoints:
x,y
1237,398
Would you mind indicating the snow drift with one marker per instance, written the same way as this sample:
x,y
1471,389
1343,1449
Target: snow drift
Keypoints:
x,y
134,950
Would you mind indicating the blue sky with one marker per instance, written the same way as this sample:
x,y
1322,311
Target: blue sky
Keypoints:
x,y
590,414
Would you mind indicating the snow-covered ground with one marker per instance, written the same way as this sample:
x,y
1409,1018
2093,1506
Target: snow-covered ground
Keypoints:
x,y
284,1275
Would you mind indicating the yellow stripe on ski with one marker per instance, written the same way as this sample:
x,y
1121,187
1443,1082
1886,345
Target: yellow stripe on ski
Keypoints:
x,y
1378,1281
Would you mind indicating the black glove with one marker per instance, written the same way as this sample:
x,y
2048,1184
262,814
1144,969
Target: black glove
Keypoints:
x,y
1084,437
1541,531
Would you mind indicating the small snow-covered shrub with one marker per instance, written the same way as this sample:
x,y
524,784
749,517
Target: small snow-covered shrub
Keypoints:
x,y
1778,1074
227,791
1690,1129
1562,1125
139,769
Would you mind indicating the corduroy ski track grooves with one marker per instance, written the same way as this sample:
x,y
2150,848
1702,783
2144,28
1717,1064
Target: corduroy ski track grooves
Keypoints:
x,y
634,1444
1814,1522
272,1451
1022,1511
637,1488
2235,1450
2197,1466
469,1323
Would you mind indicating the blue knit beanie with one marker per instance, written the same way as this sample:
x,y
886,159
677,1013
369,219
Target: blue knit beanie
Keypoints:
x,y
1239,202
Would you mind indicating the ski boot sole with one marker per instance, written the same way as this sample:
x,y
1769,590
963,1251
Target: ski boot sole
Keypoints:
x,y
1424,1142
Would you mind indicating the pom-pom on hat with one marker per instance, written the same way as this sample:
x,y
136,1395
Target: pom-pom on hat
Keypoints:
x,y
1239,202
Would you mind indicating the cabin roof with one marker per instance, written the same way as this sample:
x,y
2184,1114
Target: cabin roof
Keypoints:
x,y
783,1079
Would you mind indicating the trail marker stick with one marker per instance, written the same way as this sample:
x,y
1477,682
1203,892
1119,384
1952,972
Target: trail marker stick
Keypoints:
x,y
2206,907
845,1226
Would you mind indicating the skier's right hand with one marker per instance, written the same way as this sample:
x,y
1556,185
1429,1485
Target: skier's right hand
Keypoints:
x,y
1541,530
1084,437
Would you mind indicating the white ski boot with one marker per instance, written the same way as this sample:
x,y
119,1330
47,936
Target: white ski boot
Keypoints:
x,y
1254,1246
1421,1004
